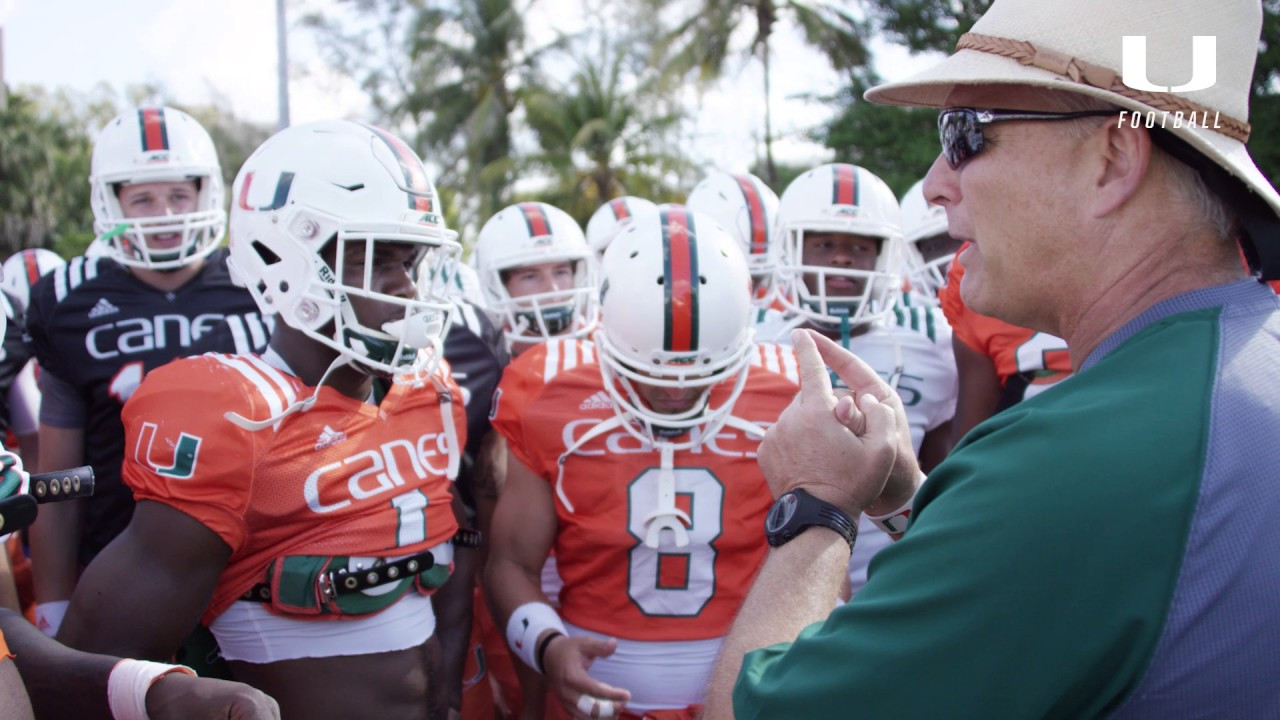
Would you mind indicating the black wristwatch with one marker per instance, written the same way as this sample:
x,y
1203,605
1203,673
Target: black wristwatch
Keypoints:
x,y
797,510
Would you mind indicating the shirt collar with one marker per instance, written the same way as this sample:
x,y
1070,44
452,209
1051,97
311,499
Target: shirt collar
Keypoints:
x,y
1232,293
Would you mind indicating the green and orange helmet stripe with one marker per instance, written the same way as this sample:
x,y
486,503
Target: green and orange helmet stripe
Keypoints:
x,y
31,263
421,196
621,211
535,219
755,215
844,184
680,281
153,129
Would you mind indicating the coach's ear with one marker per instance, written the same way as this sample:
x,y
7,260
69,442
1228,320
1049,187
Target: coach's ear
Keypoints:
x,y
1123,158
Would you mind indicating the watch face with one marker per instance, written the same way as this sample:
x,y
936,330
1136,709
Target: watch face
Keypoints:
x,y
781,513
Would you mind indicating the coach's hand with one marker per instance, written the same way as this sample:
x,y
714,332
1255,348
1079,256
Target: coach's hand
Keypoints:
x,y
844,447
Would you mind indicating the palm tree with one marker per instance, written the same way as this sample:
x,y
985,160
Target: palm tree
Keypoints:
x,y
700,42
469,61
609,133
445,74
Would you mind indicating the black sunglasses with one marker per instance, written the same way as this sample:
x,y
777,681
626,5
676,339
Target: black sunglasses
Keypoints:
x,y
960,129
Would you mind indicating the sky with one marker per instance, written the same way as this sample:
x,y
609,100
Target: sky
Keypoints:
x,y
225,51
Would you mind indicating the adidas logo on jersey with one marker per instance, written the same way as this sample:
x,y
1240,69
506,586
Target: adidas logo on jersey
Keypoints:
x,y
329,437
103,308
599,401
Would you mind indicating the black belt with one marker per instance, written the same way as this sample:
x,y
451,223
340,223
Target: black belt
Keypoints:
x,y
343,581
19,511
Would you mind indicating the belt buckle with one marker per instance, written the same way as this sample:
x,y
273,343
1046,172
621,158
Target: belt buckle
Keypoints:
x,y
324,582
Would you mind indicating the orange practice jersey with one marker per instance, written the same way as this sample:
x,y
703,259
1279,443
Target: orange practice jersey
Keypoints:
x,y
613,582
1011,348
343,478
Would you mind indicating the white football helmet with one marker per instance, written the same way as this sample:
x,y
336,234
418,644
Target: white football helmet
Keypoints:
x,y
609,218
675,306
534,233
311,184
156,144
747,208
22,269
922,220
839,198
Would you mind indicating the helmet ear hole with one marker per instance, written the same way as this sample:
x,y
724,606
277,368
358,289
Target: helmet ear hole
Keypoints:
x,y
264,252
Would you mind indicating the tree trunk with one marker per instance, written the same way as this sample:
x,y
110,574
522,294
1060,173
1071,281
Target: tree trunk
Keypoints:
x,y
771,170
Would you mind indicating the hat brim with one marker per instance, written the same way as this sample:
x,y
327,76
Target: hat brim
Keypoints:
x,y
931,88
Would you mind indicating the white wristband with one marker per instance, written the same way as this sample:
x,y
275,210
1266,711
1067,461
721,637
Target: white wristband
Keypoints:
x,y
895,523
128,684
49,616
526,625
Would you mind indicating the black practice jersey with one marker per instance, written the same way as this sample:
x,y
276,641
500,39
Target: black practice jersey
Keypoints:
x,y
477,354
99,329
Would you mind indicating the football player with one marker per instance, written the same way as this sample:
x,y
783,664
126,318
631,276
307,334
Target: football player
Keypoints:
x,y
19,394
999,364
477,353
97,326
609,218
19,403
47,679
536,272
632,455
299,501
748,209
930,249
840,271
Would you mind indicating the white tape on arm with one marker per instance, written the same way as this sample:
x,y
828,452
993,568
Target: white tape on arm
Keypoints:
x,y
526,625
895,523
128,684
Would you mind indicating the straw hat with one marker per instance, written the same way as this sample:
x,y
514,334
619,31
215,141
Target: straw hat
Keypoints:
x,y
1078,46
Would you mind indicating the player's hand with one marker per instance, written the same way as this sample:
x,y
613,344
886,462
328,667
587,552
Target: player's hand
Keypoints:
x,y
847,458
182,697
583,697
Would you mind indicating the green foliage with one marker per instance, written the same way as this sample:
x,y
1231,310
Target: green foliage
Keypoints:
x,y
601,137
700,43
924,25
46,143
898,144
234,139
44,168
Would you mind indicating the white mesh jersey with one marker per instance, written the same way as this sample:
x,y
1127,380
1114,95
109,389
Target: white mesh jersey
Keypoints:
x,y
927,384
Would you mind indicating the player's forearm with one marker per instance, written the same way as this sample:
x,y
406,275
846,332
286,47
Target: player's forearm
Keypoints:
x,y
55,540
796,587
61,682
509,585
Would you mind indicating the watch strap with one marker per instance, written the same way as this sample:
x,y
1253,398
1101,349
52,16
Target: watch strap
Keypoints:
x,y
809,511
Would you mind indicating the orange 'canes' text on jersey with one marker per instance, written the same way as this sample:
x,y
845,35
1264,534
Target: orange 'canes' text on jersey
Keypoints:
x,y
614,583
343,478
1012,349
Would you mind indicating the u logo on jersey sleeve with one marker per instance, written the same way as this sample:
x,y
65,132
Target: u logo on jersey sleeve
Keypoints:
x,y
180,465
